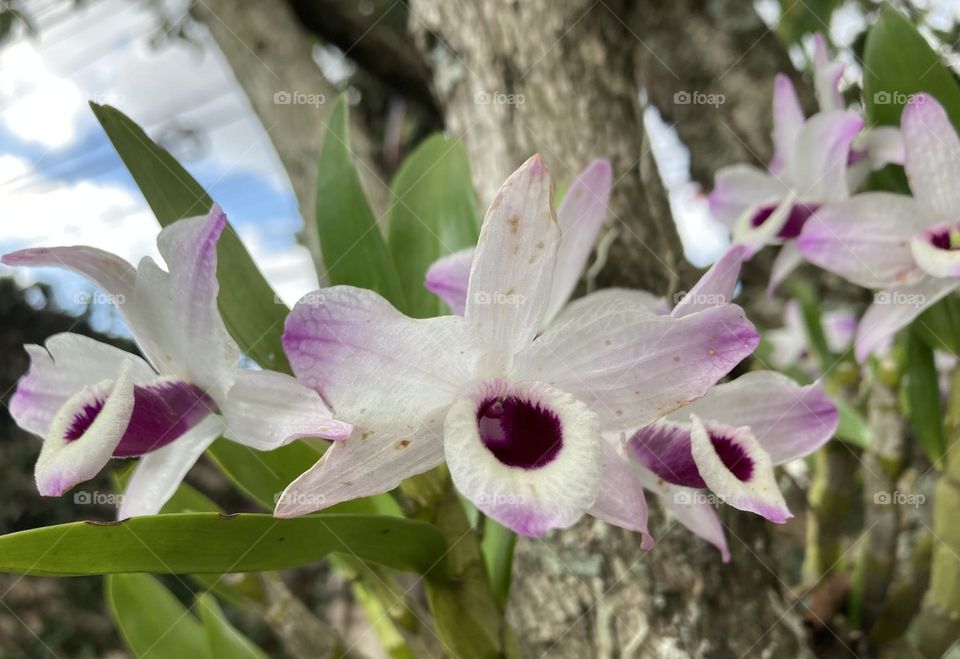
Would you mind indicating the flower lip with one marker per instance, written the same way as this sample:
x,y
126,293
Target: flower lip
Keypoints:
x,y
162,412
799,214
519,432
733,455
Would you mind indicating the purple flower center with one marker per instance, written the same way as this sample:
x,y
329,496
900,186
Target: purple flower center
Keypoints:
x,y
733,456
798,216
946,239
519,433
161,413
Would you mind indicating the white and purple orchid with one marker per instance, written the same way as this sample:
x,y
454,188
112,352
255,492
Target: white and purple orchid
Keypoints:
x,y
791,344
517,412
904,246
817,161
90,401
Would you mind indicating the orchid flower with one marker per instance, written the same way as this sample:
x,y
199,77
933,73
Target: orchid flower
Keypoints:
x,y
816,161
791,344
904,246
90,401
517,412
579,217
730,439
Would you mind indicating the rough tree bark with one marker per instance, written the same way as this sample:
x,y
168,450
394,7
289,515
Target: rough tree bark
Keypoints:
x,y
563,78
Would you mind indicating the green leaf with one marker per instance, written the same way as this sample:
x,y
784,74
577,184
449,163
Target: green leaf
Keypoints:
x,y
153,623
852,427
214,543
497,544
939,325
354,251
433,212
800,18
922,385
224,640
810,311
251,310
898,63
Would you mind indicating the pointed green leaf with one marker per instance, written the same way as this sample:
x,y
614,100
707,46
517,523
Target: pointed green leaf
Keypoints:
x,y
898,63
251,310
433,212
153,623
214,543
354,251
497,544
225,642
922,385
852,427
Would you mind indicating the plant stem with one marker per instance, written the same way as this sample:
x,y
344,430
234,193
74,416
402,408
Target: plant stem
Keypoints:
x,y
937,626
830,497
883,463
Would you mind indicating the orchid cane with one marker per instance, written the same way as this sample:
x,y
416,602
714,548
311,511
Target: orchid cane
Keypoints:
x,y
905,246
90,401
516,413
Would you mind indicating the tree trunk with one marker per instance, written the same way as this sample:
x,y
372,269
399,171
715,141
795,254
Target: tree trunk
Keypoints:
x,y
564,78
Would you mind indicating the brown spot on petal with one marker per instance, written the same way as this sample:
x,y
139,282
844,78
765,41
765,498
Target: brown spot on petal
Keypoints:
x,y
402,444
676,358
514,223
712,351
540,245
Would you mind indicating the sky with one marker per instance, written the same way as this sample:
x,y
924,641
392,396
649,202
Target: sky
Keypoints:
x,y
62,183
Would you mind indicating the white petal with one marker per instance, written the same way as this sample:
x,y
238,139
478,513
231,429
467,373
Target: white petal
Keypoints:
x,y
621,501
788,420
158,474
448,278
758,492
892,310
716,286
788,119
69,363
632,366
370,462
932,156
174,314
374,366
741,188
827,75
512,273
788,259
580,218
266,409
823,151
866,239
64,462
531,501
108,271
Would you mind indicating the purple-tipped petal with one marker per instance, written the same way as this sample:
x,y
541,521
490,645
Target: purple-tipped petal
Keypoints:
x,y
513,267
690,507
580,218
374,366
866,239
174,314
158,474
932,156
265,409
737,469
827,75
787,120
936,250
788,259
823,151
716,286
65,461
894,309
631,366
526,454
664,449
111,273
741,188
370,462
788,420
621,501
67,364
448,278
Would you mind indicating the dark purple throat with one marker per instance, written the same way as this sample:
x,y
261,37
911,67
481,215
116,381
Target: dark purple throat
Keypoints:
x,y
519,433
734,457
161,413
799,214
